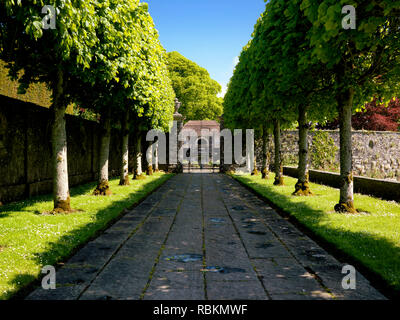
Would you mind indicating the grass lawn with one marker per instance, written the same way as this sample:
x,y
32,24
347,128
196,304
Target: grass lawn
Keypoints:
x,y
372,238
30,240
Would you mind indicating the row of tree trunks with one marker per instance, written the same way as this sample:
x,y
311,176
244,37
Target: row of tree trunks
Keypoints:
x,y
124,164
61,195
302,188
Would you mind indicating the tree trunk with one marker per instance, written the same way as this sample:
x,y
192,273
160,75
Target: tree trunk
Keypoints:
x,y
156,157
265,154
278,159
124,174
149,159
103,187
61,194
248,162
137,174
345,105
302,187
255,171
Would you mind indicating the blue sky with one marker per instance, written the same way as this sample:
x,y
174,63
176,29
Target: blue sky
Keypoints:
x,y
211,33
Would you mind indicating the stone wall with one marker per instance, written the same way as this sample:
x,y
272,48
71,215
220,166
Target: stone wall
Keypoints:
x,y
375,154
25,150
387,190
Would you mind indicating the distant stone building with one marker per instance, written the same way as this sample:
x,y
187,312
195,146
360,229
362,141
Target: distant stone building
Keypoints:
x,y
204,130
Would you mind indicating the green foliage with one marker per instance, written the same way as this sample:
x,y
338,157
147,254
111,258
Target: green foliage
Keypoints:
x,y
323,152
365,59
108,51
289,159
238,111
129,72
103,55
86,114
40,54
300,54
302,64
268,82
194,88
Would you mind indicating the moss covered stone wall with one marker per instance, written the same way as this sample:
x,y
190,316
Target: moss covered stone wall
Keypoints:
x,y
376,154
25,150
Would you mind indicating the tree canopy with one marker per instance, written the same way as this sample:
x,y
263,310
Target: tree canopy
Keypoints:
x,y
129,72
105,56
364,59
269,81
38,53
194,88
301,63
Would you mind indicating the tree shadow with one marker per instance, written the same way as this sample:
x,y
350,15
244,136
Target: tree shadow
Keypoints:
x,y
17,281
377,257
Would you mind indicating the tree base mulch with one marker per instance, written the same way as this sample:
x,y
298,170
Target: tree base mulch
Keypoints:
x,y
346,208
139,177
279,181
125,182
103,189
149,170
302,189
61,207
265,174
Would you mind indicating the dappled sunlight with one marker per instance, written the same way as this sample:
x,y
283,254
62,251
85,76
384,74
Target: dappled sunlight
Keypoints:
x,y
320,294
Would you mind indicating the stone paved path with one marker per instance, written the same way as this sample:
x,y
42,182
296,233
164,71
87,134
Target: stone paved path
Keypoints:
x,y
218,224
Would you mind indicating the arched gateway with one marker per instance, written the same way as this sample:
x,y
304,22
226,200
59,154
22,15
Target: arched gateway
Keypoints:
x,y
204,133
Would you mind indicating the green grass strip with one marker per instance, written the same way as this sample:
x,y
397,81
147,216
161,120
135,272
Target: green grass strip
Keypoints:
x,y
30,240
372,237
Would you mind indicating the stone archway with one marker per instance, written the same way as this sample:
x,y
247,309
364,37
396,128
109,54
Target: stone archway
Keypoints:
x,y
206,147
